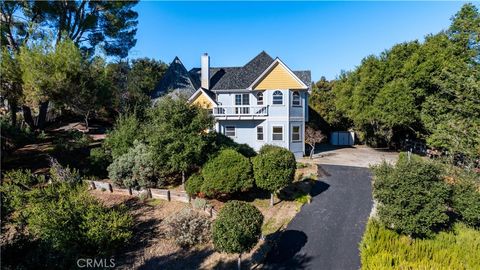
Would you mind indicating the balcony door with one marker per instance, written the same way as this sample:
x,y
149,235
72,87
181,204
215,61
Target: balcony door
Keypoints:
x,y
242,103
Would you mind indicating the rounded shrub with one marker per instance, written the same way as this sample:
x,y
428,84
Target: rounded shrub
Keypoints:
x,y
188,228
227,173
193,185
237,227
274,168
412,196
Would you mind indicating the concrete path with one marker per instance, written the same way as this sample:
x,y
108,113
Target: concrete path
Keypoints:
x,y
326,233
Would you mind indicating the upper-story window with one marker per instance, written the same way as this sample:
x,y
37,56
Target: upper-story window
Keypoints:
x,y
242,99
296,100
277,98
260,98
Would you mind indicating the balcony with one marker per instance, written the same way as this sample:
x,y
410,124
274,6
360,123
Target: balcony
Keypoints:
x,y
240,111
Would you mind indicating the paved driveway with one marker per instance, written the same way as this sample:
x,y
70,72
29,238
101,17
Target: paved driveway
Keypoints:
x,y
357,156
326,233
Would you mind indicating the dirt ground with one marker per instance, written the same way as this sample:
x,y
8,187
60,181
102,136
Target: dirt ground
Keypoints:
x,y
356,156
151,249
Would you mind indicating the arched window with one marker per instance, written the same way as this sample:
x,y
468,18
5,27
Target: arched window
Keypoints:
x,y
296,100
260,98
277,98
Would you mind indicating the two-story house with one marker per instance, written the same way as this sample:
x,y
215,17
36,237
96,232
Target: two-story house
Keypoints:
x,y
262,102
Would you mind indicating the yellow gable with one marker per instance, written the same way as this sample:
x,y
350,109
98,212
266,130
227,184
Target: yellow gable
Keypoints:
x,y
203,101
278,78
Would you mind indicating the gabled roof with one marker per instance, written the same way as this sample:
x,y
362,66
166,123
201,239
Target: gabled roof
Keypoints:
x,y
208,94
278,62
176,81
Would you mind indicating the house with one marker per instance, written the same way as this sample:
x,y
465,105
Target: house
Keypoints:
x,y
262,102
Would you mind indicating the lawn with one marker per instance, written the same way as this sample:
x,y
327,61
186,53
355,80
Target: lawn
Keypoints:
x,y
458,248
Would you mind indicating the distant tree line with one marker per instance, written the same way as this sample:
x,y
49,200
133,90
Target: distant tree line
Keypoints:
x,y
421,90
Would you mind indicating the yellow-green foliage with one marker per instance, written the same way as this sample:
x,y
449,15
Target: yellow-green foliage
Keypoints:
x,y
382,248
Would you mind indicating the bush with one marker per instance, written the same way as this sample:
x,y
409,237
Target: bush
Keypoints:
x,y
58,173
67,218
412,196
274,168
189,228
99,160
237,227
135,168
382,248
227,173
193,185
120,139
466,202
14,190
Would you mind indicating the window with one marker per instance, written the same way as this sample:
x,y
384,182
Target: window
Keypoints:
x,y
277,98
296,134
260,133
260,98
277,133
296,100
242,100
230,131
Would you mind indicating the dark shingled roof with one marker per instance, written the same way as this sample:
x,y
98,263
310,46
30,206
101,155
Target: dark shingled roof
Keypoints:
x,y
175,81
178,81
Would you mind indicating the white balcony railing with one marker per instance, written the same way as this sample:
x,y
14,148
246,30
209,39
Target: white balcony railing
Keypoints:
x,y
242,110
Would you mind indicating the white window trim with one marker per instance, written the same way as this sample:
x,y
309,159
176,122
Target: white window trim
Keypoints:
x,y
283,133
300,99
299,133
283,98
234,130
263,133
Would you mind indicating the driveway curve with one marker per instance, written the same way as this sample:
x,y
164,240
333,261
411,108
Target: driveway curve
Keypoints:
x,y
326,233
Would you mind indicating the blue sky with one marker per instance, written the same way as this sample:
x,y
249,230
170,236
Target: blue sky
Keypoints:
x,y
324,37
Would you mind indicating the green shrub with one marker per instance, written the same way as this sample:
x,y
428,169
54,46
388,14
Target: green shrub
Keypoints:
x,y
127,129
237,227
135,168
188,228
67,218
382,248
227,173
412,196
99,160
466,202
274,168
193,185
14,190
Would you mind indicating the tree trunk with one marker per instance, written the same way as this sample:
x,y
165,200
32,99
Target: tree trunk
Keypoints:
x,y
13,112
27,117
239,262
183,180
271,199
312,151
86,120
42,114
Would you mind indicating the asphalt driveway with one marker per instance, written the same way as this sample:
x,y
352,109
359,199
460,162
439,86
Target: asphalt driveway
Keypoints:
x,y
326,233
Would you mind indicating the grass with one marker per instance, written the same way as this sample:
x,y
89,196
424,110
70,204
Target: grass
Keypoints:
x,y
382,248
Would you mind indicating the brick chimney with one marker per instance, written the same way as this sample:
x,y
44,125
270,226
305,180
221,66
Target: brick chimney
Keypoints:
x,y
205,78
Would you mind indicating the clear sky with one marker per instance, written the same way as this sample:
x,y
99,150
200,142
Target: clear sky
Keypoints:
x,y
324,37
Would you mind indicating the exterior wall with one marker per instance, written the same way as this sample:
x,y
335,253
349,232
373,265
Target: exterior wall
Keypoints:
x,y
284,115
203,101
278,78
245,131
